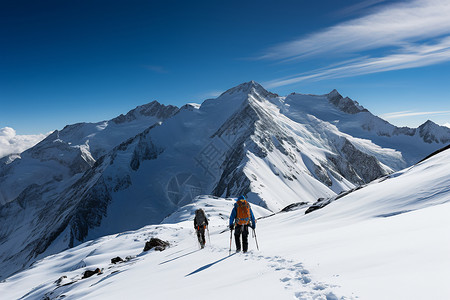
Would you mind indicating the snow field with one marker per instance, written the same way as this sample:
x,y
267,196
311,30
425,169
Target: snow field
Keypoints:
x,y
181,271
301,257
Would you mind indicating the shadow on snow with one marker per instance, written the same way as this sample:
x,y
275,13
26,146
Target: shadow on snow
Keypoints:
x,y
208,265
164,262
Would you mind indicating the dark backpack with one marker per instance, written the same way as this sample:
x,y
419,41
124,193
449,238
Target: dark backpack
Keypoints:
x,y
242,212
200,217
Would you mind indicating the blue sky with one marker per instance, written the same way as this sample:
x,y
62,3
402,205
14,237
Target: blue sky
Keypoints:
x,y
63,62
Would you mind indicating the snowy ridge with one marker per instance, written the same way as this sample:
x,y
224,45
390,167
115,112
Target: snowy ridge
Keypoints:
x,y
119,175
358,122
384,241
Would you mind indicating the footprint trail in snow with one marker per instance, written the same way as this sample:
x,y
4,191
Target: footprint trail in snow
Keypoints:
x,y
298,279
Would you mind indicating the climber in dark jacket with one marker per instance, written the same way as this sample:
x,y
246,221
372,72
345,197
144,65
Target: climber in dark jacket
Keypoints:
x,y
200,224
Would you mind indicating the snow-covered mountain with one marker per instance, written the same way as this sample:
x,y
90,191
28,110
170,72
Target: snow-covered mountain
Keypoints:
x,y
90,180
387,240
74,150
350,117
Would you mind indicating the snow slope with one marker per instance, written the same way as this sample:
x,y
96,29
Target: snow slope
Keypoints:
x,y
387,240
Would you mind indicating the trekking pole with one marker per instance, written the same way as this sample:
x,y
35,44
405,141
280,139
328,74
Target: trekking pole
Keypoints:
x,y
209,238
231,237
256,240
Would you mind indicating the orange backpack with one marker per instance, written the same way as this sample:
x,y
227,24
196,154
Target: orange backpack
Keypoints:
x,y
242,212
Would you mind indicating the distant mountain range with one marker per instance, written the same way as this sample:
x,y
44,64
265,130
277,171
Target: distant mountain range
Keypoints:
x,y
93,179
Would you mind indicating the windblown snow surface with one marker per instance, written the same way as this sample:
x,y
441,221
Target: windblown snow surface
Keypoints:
x,y
388,240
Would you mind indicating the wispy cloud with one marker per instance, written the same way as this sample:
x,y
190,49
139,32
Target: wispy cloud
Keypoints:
x,y
409,56
11,143
391,25
404,114
358,7
403,35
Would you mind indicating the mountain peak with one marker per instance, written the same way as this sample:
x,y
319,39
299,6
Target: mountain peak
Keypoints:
x,y
428,123
434,133
154,109
344,104
251,87
334,94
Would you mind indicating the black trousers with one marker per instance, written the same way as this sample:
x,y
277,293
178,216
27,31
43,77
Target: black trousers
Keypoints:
x,y
201,235
238,231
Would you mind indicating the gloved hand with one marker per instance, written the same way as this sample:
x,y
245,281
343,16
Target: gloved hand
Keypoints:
x,y
231,226
253,226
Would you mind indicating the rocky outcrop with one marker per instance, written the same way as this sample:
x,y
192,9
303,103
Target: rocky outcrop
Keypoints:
x,y
345,104
366,166
156,244
89,273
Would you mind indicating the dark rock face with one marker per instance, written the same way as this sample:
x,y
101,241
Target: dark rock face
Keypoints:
x,y
404,131
89,273
344,168
116,260
294,206
366,166
321,202
90,211
347,162
157,244
345,104
144,150
321,174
